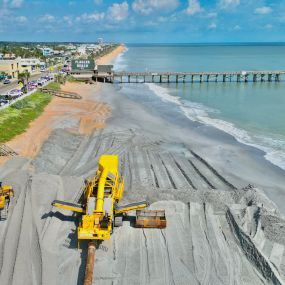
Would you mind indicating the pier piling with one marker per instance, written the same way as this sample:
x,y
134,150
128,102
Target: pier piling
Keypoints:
x,y
178,77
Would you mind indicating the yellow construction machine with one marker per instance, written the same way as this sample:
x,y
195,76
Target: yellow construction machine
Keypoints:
x,y
100,212
6,193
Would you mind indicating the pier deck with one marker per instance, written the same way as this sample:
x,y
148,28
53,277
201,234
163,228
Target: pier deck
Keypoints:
x,y
172,77
167,77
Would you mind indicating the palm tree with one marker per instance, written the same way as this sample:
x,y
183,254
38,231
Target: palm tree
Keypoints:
x,y
24,76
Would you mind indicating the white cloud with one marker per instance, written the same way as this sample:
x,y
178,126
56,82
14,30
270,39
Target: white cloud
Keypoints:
x,y
228,4
17,3
47,18
148,6
237,27
212,15
268,26
67,20
91,18
194,7
263,10
21,19
212,26
98,2
118,12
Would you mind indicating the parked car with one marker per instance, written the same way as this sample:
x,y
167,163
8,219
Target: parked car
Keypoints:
x,y
6,81
15,93
3,102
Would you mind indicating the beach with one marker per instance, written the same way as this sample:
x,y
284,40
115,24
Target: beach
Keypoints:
x,y
220,230
111,56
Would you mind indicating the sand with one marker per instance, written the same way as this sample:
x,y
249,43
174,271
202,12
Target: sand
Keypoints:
x,y
109,57
219,230
81,116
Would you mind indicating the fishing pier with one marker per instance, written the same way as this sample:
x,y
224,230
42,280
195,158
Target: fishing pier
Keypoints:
x,y
177,77
86,70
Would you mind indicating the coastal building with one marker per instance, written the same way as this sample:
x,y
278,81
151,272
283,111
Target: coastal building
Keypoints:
x,y
81,50
9,56
31,64
100,41
10,67
104,69
47,51
1,56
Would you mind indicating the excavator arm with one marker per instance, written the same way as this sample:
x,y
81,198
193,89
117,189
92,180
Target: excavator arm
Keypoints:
x,y
130,207
68,206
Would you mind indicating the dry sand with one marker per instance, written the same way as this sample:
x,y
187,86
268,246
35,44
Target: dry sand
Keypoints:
x,y
109,57
63,113
218,232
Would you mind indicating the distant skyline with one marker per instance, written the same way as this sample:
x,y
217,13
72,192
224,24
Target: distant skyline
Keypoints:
x,y
143,21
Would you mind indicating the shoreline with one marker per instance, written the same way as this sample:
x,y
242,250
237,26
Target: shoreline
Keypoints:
x,y
240,163
106,59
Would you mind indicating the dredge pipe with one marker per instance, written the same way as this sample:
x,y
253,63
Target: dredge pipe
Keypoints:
x,y
90,264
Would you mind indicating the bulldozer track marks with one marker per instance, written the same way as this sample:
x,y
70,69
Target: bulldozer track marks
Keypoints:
x,y
204,250
147,162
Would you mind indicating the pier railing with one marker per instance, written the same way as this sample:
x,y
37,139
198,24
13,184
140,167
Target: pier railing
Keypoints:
x,y
171,77
168,77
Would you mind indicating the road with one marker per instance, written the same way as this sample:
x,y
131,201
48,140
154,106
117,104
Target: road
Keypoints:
x,y
7,87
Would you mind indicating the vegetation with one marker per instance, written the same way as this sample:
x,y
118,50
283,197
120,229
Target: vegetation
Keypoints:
x,y
107,50
24,76
53,86
15,119
71,78
24,51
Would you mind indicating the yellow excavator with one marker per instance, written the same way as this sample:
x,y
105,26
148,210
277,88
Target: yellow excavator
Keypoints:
x,y
100,212
6,193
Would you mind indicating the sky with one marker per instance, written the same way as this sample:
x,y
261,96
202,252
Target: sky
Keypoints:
x,y
143,21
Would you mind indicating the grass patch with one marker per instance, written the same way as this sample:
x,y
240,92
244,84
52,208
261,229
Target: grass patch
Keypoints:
x,y
16,119
53,86
71,78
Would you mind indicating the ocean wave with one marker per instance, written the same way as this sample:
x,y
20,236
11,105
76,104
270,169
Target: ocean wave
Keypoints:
x,y
273,147
119,62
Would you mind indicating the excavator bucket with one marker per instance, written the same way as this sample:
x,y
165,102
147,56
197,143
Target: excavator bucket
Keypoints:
x,y
150,219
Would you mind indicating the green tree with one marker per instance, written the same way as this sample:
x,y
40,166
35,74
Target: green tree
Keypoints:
x,y
25,76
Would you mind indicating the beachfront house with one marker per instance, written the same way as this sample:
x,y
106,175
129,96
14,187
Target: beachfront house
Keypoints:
x,y
31,64
10,67
104,69
47,51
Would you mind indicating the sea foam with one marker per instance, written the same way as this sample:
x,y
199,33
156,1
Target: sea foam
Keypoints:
x,y
273,148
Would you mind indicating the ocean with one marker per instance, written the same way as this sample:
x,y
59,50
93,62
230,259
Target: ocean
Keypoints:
x,y
254,113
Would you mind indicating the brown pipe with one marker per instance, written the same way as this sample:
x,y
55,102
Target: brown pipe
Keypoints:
x,y
90,264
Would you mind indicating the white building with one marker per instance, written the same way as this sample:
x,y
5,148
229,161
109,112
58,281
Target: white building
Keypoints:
x,y
81,49
47,51
32,64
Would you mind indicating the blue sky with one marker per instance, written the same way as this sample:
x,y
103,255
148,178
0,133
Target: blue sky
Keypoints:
x,y
147,21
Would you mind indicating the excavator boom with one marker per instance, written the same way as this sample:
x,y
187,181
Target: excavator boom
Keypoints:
x,y
68,206
131,207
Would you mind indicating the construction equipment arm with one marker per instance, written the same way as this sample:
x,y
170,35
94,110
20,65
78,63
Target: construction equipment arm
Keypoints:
x,y
100,192
68,206
131,207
